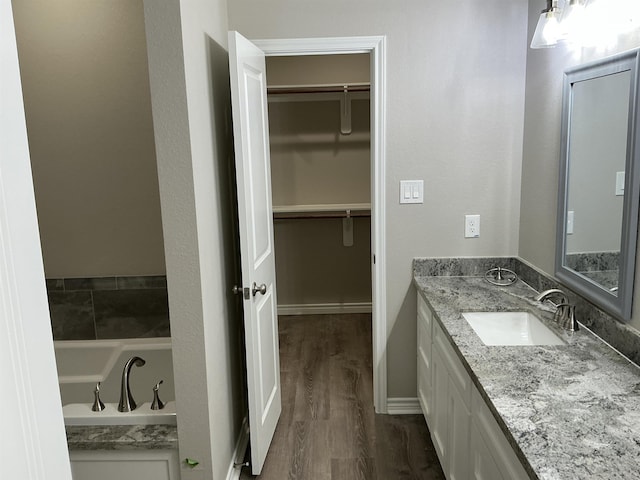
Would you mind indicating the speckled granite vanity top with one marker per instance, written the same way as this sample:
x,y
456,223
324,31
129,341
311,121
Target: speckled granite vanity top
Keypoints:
x,y
571,411
122,437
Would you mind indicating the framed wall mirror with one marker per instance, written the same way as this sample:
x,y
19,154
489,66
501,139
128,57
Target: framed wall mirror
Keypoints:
x,y
599,188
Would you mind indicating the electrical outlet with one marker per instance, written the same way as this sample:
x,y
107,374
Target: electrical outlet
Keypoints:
x,y
619,184
471,226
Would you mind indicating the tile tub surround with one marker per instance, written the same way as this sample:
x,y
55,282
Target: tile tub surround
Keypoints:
x,y
108,307
122,437
570,411
617,334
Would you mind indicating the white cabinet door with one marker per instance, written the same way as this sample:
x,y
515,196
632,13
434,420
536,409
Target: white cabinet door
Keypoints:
x,y
439,415
459,421
125,465
496,443
424,358
483,466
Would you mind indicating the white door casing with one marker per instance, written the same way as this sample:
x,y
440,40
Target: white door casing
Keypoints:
x,y
375,46
253,175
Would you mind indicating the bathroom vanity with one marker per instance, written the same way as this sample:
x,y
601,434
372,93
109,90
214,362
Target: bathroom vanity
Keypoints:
x,y
568,411
125,452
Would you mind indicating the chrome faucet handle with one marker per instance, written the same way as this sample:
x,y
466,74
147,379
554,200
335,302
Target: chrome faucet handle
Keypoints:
x,y
566,317
157,404
98,406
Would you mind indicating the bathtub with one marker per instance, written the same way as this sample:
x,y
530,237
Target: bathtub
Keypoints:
x,y
83,363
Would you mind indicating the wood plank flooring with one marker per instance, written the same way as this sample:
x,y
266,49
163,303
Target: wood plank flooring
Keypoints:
x,y
328,429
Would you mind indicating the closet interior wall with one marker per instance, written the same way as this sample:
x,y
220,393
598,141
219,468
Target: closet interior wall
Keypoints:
x,y
316,167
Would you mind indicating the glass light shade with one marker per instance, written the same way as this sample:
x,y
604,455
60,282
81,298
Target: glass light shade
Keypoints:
x,y
572,16
548,30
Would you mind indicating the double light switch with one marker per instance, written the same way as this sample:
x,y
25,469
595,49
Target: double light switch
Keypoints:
x,y
411,191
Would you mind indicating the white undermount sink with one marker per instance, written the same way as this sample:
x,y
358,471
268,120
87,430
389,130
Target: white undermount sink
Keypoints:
x,y
511,328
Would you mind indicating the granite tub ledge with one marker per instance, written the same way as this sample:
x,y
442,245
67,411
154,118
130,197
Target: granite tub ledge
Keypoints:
x,y
570,411
122,437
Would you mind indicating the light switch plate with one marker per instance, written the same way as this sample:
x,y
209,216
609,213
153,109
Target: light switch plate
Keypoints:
x,y
411,191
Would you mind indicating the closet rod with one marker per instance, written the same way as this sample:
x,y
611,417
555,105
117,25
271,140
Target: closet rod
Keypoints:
x,y
312,215
337,88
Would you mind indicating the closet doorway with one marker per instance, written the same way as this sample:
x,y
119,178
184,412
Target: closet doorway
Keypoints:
x,y
373,50
319,134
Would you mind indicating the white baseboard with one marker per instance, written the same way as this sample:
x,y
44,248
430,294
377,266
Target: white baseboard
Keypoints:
x,y
403,406
324,308
238,453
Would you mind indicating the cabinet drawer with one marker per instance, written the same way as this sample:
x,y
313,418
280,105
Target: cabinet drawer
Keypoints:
x,y
424,315
501,451
459,375
424,345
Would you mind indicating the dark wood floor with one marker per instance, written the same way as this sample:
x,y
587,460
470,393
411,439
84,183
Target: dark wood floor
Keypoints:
x,y
328,428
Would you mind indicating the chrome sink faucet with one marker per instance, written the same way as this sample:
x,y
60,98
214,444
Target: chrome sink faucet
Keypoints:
x,y
565,312
127,403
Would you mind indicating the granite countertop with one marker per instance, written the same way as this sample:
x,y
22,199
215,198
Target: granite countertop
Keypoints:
x,y
570,411
122,437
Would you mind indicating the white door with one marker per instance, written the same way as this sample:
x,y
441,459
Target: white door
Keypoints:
x,y
253,175
32,438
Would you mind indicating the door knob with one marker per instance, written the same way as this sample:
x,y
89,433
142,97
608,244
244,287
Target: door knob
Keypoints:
x,y
255,289
241,291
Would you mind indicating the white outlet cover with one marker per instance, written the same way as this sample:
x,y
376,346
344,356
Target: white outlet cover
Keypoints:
x,y
619,184
471,226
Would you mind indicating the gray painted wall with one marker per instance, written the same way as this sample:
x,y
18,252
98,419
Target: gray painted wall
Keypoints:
x,y
455,89
541,155
88,108
189,74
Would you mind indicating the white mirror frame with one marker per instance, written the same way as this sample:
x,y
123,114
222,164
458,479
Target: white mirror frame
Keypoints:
x,y
617,305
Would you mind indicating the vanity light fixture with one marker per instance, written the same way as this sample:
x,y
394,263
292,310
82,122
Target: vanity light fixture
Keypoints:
x,y
573,15
585,23
548,31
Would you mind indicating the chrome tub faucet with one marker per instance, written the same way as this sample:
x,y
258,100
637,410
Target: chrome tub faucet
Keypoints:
x,y
127,403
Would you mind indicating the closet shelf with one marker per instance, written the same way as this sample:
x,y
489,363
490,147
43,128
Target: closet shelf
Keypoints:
x,y
318,88
345,210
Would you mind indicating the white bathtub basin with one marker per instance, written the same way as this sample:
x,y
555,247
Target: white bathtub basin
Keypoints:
x,y
511,328
81,414
83,363
86,361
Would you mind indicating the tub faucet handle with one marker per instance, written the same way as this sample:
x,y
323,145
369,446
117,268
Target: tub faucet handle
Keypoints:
x,y
98,406
157,404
